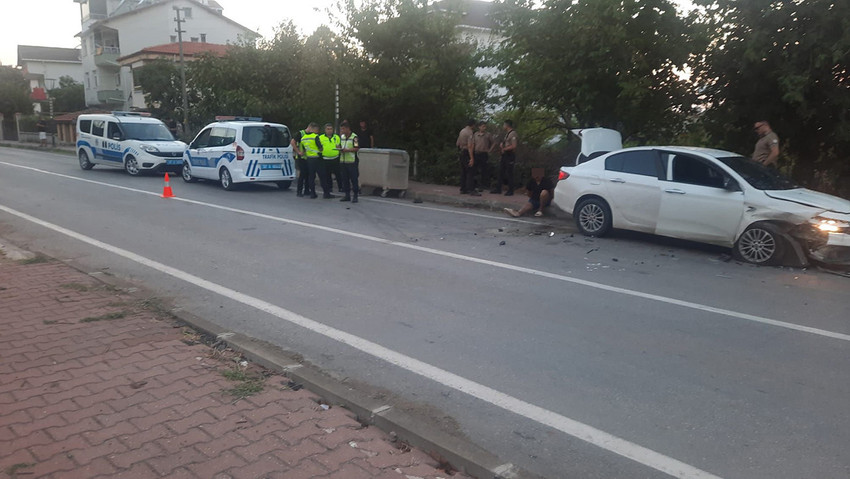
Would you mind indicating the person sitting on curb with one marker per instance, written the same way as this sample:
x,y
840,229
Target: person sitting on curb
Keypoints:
x,y
539,190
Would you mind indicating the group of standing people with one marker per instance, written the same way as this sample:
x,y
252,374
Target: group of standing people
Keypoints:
x,y
328,155
474,149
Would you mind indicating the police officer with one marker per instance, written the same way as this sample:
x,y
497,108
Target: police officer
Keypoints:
x,y
300,161
466,159
349,144
311,149
330,153
506,163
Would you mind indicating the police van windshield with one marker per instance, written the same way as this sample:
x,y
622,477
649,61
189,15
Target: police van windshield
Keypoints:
x,y
146,132
266,136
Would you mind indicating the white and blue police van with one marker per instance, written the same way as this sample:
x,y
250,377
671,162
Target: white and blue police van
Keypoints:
x,y
237,150
129,140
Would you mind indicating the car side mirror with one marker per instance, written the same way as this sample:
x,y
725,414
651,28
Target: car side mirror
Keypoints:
x,y
730,184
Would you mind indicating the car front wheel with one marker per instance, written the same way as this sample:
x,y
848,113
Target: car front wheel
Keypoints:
x,y
760,244
226,179
186,173
131,166
593,217
84,161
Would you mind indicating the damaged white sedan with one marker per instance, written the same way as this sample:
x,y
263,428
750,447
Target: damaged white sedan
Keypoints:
x,y
706,195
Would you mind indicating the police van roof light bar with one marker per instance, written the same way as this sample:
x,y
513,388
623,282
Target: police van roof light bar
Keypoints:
x,y
237,118
131,113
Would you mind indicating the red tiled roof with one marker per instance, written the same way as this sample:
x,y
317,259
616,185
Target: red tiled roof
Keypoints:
x,y
189,48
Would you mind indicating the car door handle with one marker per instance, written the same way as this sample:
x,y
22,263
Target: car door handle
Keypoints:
x,y
617,180
675,191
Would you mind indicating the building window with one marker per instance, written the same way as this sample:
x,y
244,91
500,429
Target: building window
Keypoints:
x,y
94,78
173,38
88,81
194,39
203,38
187,13
118,79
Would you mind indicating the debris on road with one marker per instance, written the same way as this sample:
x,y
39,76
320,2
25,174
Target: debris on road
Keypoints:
x,y
502,243
592,250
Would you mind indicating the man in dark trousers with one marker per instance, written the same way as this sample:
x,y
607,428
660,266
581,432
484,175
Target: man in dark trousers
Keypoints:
x,y
540,190
311,148
506,163
466,158
300,161
366,136
483,145
349,144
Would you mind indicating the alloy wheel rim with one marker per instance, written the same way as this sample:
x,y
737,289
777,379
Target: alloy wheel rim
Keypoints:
x,y
84,159
225,178
187,173
757,245
592,217
132,166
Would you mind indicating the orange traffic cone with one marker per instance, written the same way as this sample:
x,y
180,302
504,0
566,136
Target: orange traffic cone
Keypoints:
x,y
166,191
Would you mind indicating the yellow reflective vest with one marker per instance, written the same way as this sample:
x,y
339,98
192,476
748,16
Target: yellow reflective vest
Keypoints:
x,y
346,143
329,147
309,145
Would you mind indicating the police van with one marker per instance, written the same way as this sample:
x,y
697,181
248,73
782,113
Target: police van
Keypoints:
x,y
241,150
129,140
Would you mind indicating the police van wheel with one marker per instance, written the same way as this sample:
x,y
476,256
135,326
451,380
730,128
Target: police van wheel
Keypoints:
x,y
131,166
186,173
226,179
284,185
84,161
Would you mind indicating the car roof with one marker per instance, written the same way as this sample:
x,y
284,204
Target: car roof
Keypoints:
x,y
119,118
244,123
713,152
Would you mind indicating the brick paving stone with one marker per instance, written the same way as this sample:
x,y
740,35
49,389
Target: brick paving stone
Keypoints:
x,y
70,411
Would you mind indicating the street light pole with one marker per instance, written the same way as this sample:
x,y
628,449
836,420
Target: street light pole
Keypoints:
x,y
180,33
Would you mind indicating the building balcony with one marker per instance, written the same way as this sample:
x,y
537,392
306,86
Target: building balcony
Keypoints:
x,y
110,96
107,57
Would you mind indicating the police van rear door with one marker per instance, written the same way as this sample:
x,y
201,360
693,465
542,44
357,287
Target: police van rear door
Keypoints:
x,y
270,154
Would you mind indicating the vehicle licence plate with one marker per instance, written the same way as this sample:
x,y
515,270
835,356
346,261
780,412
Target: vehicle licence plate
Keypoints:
x,y
173,162
270,166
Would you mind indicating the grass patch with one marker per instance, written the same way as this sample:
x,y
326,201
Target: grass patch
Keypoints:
x,y
248,384
12,470
37,259
50,321
105,317
82,288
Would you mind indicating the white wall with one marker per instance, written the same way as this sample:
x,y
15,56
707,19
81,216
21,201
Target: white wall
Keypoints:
x,y
54,70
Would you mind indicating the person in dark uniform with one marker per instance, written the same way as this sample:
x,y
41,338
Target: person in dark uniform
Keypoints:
x,y
311,148
466,159
349,144
300,161
506,164
366,136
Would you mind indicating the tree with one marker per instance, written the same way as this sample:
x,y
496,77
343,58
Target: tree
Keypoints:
x,y
787,62
14,93
609,63
160,83
69,97
418,79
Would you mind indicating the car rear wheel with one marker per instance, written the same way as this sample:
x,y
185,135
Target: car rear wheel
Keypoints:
x,y
284,185
186,173
84,161
226,179
131,166
593,217
760,244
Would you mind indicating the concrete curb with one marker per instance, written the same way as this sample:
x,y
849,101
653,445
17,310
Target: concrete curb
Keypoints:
x,y
480,202
419,432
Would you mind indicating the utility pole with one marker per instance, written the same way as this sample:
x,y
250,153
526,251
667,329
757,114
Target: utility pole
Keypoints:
x,y
180,33
336,107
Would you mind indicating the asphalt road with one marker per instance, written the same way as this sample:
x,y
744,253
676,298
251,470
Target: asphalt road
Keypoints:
x,y
622,357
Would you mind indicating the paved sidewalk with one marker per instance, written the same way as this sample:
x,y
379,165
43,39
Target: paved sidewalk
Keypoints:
x,y
96,383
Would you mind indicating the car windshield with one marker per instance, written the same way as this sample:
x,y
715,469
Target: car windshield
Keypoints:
x,y
759,176
146,132
266,136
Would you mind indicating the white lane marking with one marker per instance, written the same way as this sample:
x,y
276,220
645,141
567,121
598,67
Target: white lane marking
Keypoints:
x,y
495,264
511,404
454,212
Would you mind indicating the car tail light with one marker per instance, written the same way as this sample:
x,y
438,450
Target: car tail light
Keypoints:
x,y
563,175
240,153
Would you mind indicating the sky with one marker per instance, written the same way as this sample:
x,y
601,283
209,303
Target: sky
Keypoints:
x,y
53,23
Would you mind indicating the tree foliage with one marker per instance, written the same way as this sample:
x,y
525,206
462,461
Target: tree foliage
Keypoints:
x,y
785,61
14,93
69,97
610,63
160,82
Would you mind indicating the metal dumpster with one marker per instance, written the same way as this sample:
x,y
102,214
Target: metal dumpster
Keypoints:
x,y
384,168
